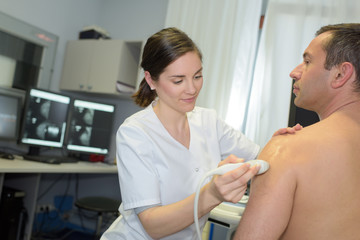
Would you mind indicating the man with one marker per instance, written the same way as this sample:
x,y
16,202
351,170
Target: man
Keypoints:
x,y
312,189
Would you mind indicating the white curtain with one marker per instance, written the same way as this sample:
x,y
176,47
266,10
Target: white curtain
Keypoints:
x,y
289,27
226,31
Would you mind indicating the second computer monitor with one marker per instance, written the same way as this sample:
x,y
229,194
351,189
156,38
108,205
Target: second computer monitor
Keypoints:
x,y
90,127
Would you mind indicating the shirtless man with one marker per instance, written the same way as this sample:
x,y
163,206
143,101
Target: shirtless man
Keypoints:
x,y
312,189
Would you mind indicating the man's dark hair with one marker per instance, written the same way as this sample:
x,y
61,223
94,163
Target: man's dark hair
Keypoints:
x,y
343,46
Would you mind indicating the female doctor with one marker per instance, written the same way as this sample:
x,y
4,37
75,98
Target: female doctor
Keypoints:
x,y
164,150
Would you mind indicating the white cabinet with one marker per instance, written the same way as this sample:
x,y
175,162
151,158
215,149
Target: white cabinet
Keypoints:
x,y
97,65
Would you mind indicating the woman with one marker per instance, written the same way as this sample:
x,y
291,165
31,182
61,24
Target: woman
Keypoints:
x,y
164,150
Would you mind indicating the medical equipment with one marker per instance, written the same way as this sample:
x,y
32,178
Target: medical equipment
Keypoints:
x,y
225,218
264,166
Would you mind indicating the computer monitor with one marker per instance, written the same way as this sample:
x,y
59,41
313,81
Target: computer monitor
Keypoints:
x,y
44,121
90,127
10,114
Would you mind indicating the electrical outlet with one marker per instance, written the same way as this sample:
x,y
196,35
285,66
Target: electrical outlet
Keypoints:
x,y
41,208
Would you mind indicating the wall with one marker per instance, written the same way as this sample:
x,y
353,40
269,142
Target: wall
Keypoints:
x,y
133,19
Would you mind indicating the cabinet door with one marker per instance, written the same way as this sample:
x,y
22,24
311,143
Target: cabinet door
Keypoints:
x,y
77,64
129,63
105,66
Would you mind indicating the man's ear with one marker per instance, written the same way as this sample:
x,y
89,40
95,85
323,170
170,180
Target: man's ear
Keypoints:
x,y
344,72
149,80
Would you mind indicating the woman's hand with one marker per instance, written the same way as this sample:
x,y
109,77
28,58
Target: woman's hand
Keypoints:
x,y
231,186
288,130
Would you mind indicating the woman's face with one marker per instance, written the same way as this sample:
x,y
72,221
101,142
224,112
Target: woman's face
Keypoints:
x,y
179,85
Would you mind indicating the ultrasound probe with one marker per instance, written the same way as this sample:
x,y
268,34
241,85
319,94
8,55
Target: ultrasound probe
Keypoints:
x,y
264,166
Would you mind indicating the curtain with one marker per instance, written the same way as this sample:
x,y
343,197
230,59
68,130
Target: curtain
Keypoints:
x,y
226,31
289,27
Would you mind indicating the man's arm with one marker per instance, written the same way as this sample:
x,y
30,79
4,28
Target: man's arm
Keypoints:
x,y
271,195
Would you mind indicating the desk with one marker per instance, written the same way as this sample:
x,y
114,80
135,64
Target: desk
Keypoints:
x,y
25,175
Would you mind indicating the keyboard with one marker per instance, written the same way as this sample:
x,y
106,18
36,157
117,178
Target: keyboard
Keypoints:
x,y
50,159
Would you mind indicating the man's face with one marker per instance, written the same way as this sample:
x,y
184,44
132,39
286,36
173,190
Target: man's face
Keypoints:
x,y
311,78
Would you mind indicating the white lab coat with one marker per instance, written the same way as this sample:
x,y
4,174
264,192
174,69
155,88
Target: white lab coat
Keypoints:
x,y
156,169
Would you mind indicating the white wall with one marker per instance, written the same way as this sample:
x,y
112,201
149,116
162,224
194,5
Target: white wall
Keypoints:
x,y
133,19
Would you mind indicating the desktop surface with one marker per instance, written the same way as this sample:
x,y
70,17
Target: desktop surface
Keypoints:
x,y
23,166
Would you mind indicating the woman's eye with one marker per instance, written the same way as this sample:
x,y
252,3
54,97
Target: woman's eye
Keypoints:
x,y
198,76
178,81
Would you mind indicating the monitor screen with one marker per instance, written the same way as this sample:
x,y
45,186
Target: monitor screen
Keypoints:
x,y
10,114
45,118
90,127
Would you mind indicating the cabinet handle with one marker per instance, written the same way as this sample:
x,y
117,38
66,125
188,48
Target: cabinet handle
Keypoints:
x,y
81,86
89,87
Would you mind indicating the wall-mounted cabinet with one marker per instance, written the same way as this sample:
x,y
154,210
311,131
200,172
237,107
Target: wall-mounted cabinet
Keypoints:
x,y
100,65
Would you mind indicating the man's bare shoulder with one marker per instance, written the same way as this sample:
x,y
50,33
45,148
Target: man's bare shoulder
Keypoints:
x,y
295,148
272,193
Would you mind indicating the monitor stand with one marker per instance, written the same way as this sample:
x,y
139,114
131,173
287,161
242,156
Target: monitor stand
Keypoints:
x,y
33,151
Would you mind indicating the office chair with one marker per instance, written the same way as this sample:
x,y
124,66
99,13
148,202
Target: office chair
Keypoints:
x,y
100,205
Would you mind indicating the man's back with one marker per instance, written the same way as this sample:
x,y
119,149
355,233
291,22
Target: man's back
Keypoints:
x,y
312,188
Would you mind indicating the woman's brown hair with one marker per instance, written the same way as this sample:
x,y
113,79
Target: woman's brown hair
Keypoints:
x,y
160,50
